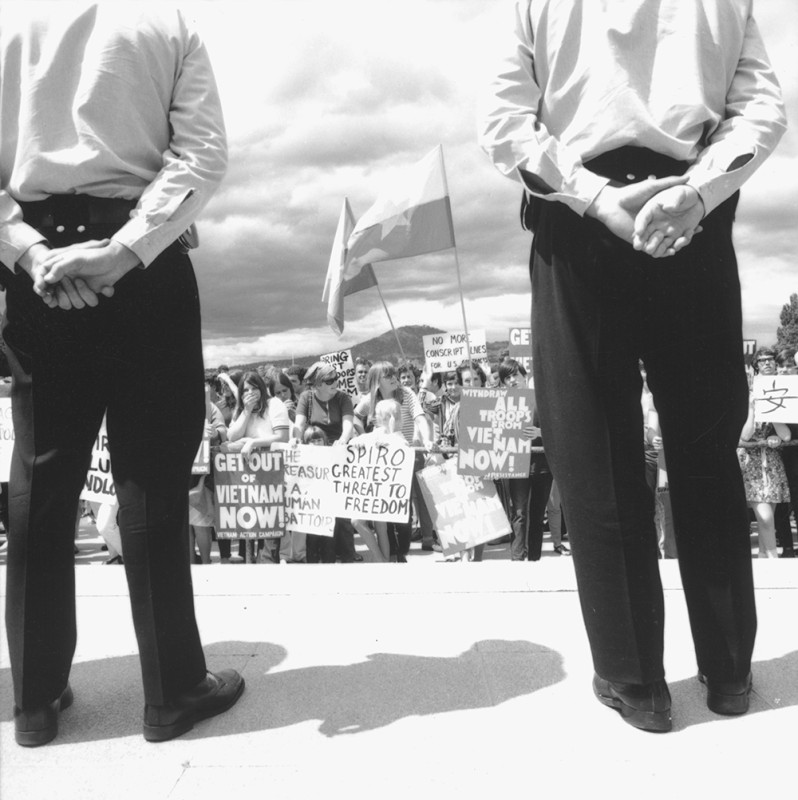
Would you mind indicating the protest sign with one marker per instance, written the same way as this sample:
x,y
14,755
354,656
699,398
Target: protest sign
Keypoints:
x,y
371,480
776,398
444,352
490,433
749,348
202,461
519,347
345,366
249,495
99,486
465,510
6,438
309,501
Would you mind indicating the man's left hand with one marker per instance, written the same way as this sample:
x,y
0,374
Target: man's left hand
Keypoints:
x,y
668,221
97,264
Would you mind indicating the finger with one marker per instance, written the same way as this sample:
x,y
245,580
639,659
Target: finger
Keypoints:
x,y
72,293
107,291
88,296
55,272
62,298
653,244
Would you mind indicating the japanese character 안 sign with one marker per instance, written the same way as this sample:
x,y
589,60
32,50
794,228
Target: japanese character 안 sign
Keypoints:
x,y
776,398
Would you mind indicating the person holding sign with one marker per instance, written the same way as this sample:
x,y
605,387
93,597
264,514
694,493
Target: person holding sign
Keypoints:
x,y
630,127
386,540
762,467
415,427
112,143
328,408
259,421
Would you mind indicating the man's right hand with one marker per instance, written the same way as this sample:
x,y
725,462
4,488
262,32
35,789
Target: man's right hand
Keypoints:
x,y
67,294
617,206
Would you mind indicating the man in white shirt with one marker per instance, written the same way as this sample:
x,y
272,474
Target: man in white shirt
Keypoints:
x,y
111,143
631,126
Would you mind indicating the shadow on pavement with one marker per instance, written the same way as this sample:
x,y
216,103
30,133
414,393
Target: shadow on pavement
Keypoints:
x,y
345,699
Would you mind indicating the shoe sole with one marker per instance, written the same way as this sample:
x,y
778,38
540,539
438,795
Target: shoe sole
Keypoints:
x,y
44,735
163,733
652,721
728,705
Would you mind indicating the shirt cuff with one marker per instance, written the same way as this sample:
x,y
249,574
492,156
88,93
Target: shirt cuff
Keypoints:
x,y
17,239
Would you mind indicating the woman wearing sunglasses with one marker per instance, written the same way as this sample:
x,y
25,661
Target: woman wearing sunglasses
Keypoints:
x,y
329,408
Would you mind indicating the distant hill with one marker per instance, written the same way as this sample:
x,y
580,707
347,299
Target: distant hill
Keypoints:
x,y
380,348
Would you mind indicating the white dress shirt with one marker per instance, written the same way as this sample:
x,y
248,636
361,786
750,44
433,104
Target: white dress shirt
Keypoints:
x,y
112,100
686,78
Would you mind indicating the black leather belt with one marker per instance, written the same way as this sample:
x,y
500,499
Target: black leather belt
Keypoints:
x,y
75,212
630,164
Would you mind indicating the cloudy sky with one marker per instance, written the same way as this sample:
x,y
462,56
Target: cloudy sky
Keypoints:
x,y
324,100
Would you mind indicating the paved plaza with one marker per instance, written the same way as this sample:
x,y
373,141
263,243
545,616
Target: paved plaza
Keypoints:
x,y
425,680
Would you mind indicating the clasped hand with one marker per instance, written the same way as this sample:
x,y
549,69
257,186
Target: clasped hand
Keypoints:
x,y
75,276
658,216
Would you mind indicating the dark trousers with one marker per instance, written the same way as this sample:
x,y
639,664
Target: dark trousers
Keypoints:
x,y
597,307
324,549
539,490
137,358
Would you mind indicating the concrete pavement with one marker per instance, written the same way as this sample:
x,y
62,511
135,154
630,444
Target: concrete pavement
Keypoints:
x,y
390,680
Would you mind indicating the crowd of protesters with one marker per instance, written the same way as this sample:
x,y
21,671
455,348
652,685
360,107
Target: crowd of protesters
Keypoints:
x,y
249,410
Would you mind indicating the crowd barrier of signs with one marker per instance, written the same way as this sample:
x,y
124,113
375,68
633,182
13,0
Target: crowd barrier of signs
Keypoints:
x,y
304,488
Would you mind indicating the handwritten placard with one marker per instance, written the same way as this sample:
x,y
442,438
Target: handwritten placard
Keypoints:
x,y
309,500
6,438
249,495
372,480
99,486
345,366
491,432
466,510
775,398
444,352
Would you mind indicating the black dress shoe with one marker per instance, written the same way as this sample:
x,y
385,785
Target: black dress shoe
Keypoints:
x,y
729,698
37,727
647,707
216,693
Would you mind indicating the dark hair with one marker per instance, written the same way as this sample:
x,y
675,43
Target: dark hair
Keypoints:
x,y
284,380
509,367
451,375
360,361
787,354
295,369
266,389
763,351
406,366
473,367
314,434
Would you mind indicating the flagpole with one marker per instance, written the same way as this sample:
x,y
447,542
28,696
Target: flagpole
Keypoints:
x,y
388,313
456,257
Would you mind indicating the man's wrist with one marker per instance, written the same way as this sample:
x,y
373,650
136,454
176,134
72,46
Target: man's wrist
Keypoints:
x,y
32,254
